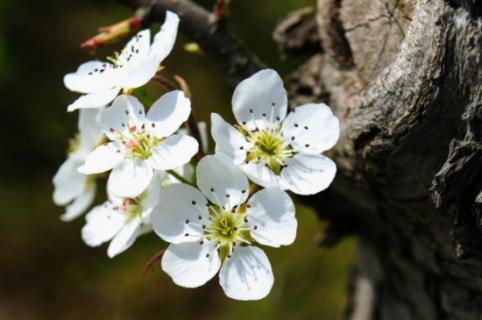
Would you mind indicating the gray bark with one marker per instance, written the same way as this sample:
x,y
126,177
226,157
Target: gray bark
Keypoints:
x,y
405,78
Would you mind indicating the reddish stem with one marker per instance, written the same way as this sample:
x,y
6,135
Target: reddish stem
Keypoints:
x,y
150,263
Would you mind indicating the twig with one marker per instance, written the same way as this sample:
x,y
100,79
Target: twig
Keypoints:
x,y
198,24
150,263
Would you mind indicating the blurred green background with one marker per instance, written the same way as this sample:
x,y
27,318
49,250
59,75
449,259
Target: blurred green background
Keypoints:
x,y
46,272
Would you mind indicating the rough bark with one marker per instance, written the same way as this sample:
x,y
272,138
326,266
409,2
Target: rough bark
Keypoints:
x,y
405,77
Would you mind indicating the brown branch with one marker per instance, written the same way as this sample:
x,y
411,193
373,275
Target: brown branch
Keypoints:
x,y
201,26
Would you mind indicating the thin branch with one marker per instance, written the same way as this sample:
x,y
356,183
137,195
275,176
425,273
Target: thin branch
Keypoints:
x,y
201,26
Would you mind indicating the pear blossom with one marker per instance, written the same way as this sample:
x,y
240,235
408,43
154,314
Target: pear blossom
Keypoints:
x,y
214,228
141,144
274,149
73,189
121,220
101,81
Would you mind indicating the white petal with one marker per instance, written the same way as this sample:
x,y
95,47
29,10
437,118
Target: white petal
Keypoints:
x,y
90,130
129,179
93,76
68,182
94,100
260,101
308,174
166,37
247,275
221,181
260,174
160,48
229,141
102,224
142,73
126,112
135,51
168,113
102,159
180,214
174,152
80,203
125,238
314,127
191,264
272,211
151,196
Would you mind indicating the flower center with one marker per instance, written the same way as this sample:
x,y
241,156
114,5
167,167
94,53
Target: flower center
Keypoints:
x,y
269,148
138,143
132,208
227,229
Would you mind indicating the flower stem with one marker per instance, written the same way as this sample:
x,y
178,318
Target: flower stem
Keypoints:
x,y
191,121
150,263
178,177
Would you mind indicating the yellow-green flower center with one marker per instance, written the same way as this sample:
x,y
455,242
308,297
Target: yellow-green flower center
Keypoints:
x,y
139,144
227,229
269,148
132,207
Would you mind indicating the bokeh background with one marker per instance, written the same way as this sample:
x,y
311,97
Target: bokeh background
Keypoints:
x,y
46,272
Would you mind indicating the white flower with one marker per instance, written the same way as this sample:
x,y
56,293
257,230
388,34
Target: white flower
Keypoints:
x,y
272,150
140,144
72,188
121,220
219,225
101,81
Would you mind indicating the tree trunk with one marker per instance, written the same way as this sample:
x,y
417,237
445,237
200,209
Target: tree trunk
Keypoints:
x,y
405,78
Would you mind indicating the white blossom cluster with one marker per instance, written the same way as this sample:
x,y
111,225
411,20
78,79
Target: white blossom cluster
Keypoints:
x,y
215,212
